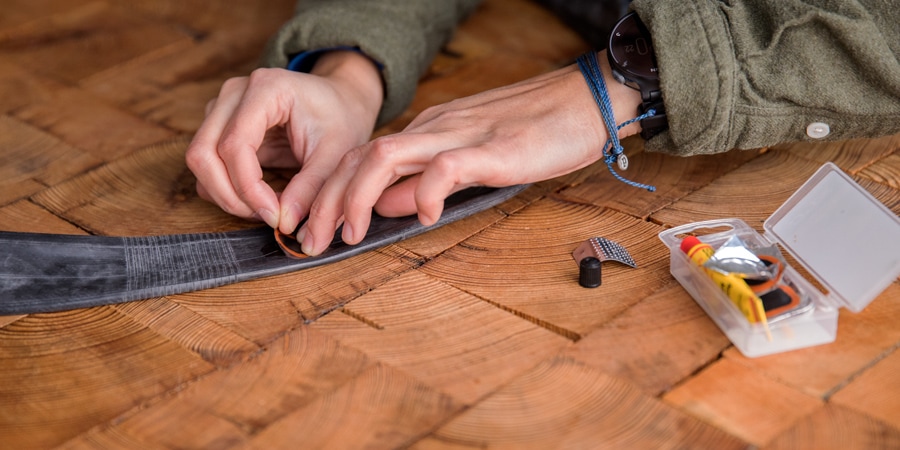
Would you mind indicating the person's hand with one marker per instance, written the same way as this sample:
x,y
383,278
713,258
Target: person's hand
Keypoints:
x,y
530,131
279,118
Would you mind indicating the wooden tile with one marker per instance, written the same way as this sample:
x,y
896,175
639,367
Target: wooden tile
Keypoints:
x,y
26,217
17,12
837,428
89,123
31,159
654,344
885,171
19,87
861,338
875,392
565,404
450,340
851,155
55,46
206,15
673,176
524,264
263,309
181,108
213,342
228,407
63,373
381,408
752,192
436,241
742,401
150,192
208,62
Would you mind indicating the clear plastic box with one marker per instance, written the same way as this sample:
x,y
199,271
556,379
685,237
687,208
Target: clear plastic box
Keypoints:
x,y
835,229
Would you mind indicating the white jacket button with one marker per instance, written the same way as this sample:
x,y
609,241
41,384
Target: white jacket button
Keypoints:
x,y
818,130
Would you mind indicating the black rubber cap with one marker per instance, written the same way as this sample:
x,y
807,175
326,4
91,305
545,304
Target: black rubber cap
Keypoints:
x,y
589,272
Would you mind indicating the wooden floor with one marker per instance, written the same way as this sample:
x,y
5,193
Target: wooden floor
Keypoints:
x,y
469,336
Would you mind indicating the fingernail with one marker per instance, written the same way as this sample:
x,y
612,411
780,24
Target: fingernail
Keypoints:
x,y
290,218
347,233
306,243
268,217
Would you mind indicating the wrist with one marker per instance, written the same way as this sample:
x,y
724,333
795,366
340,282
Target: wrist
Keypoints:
x,y
626,101
355,74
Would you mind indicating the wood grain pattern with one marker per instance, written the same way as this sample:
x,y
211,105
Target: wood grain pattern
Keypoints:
x,y
525,265
865,337
742,401
474,335
752,192
63,373
149,192
31,160
885,171
386,408
562,403
875,392
834,427
453,342
654,344
228,407
673,176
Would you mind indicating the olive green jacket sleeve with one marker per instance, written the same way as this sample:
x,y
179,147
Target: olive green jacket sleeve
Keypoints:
x,y
401,35
748,74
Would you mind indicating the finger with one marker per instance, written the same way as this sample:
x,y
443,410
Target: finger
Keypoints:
x,y
241,138
299,194
202,154
326,211
399,199
453,171
388,159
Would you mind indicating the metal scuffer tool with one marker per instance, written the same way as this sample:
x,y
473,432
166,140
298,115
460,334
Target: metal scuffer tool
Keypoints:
x,y
604,250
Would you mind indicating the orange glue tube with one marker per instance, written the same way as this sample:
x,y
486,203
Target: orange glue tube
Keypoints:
x,y
750,305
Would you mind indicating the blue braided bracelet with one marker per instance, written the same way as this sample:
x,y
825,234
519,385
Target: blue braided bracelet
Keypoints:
x,y
612,150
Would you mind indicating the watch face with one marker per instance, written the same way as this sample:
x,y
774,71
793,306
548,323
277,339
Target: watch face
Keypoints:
x,y
631,49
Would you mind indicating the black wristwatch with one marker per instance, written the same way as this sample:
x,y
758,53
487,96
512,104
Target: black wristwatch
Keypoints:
x,y
633,63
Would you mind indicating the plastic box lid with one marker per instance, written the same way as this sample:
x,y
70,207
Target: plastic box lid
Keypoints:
x,y
842,235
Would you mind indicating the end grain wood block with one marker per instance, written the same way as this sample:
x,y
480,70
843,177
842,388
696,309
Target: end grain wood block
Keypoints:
x,y
851,155
263,309
31,160
743,401
66,372
562,403
89,123
149,192
752,192
673,176
228,407
381,408
656,343
861,338
71,45
885,171
836,428
450,340
876,392
213,342
524,264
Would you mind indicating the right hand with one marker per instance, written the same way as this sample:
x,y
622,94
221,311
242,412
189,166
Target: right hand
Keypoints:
x,y
279,118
